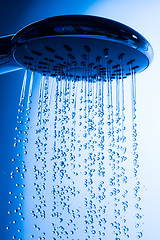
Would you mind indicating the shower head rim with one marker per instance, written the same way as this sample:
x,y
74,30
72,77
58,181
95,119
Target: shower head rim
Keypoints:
x,y
91,26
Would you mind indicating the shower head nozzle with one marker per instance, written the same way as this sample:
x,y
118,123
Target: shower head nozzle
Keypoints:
x,y
68,45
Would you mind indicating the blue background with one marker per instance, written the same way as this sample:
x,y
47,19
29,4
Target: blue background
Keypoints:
x,y
144,17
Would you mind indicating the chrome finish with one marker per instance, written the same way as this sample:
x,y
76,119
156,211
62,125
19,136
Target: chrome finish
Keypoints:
x,y
77,31
89,26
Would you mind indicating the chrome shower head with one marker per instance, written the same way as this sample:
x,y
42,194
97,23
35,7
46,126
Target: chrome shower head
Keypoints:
x,y
79,46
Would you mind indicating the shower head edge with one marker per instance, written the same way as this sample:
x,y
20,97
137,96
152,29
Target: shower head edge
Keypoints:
x,y
85,28
89,26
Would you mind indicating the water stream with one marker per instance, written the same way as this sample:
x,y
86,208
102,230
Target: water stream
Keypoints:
x,y
75,170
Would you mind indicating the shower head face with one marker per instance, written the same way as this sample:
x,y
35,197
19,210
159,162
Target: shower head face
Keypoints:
x,y
78,45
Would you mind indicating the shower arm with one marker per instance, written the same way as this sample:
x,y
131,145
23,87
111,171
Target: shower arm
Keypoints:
x,y
7,62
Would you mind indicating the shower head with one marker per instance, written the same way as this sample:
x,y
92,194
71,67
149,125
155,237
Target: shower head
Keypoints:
x,y
78,45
